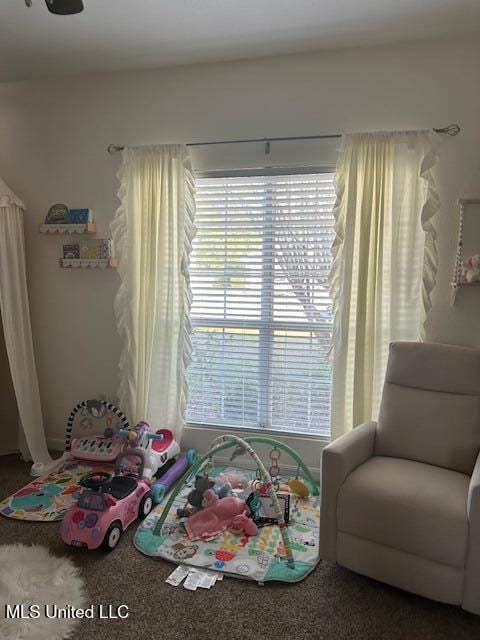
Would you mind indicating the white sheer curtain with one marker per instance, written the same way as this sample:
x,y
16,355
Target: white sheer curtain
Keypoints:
x,y
153,232
15,312
385,262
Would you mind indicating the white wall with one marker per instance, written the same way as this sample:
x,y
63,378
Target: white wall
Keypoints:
x,y
53,136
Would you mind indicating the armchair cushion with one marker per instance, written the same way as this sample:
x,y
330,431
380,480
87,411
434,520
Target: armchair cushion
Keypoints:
x,y
430,409
410,506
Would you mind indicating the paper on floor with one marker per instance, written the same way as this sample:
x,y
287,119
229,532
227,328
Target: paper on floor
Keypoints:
x,y
194,578
176,577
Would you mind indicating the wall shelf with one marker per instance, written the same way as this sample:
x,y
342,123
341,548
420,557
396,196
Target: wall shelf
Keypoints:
x,y
88,228
85,263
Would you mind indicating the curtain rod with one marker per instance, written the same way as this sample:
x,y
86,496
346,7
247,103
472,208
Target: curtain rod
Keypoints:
x,y
451,130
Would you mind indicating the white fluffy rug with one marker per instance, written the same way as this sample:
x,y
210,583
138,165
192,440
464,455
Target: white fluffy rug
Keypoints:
x,y
33,576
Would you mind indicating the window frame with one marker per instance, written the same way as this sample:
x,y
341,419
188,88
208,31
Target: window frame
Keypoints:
x,y
268,264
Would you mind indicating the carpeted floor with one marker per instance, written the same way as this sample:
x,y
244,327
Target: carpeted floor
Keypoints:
x,y
330,603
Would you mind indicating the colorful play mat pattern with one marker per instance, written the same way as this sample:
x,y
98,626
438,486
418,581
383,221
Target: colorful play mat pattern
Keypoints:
x,y
258,557
46,499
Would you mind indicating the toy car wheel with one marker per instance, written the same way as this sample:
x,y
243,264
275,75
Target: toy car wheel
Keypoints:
x,y
146,505
112,537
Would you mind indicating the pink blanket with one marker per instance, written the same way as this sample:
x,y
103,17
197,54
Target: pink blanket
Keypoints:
x,y
219,514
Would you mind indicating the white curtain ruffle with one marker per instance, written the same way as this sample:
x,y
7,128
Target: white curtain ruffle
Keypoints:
x,y
384,262
153,231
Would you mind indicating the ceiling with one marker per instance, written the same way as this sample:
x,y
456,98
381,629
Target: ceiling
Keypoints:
x,y
130,34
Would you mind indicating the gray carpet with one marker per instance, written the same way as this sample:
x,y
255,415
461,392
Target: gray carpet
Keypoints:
x,y
330,603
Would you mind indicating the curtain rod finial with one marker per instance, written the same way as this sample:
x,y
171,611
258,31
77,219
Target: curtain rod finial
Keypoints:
x,y
113,148
451,129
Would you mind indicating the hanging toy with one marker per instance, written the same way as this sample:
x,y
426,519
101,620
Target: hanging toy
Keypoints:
x,y
299,487
274,470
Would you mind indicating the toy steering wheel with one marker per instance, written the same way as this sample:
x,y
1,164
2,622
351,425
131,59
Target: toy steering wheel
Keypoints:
x,y
95,480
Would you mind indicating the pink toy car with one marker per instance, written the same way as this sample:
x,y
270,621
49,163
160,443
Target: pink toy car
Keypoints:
x,y
108,504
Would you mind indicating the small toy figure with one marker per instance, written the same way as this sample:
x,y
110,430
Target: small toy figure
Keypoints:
x,y
195,497
71,251
471,269
57,214
202,484
96,408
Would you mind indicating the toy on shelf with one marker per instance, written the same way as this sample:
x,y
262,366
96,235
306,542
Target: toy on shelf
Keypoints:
x,y
88,250
97,249
71,251
57,214
79,216
61,214
163,485
466,271
218,515
96,253
108,504
61,219
157,447
471,269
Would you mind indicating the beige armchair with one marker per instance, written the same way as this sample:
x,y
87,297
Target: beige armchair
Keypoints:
x,y
401,498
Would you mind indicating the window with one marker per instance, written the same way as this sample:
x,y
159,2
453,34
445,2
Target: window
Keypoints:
x,y
261,306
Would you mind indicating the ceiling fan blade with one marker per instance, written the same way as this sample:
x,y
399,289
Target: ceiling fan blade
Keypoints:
x,y
64,7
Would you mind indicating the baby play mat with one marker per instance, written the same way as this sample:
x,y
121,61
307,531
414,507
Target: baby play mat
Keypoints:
x,y
47,498
260,557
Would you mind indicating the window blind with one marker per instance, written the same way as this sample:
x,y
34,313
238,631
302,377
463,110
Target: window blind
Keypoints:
x,y
261,306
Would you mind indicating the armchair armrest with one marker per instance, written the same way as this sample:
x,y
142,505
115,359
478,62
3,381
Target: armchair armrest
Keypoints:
x,y
471,584
339,459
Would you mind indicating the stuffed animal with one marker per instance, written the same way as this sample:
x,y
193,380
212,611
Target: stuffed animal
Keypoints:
x,y
202,484
195,499
471,269
224,490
